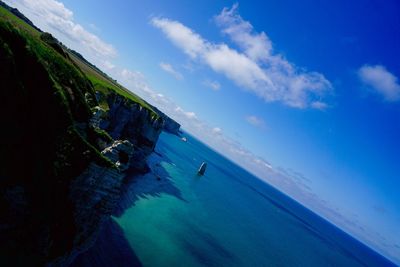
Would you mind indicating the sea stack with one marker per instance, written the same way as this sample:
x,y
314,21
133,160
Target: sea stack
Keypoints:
x,y
202,169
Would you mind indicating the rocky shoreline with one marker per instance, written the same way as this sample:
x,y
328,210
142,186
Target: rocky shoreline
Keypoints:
x,y
98,190
108,245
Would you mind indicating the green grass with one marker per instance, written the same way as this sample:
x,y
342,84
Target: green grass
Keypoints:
x,y
71,77
64,73
46,142
101,83
106,85
6,15
68,83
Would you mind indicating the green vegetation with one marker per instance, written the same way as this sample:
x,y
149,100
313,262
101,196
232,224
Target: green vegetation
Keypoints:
x,y
99,133
6,15
18,14
105,87
101,82
45,141
53,42
105,84
49,94
66,83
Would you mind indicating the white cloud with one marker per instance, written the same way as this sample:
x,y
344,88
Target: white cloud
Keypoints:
x,y
256,121
240,69
257,69
214,85
94,27
217,130
108,65
319,105
256,46
53,16
136,82
170,69
188,114
183,37
381,80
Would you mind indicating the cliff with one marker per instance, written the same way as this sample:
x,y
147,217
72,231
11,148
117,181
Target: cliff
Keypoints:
x,y
69,135
131,121
170,125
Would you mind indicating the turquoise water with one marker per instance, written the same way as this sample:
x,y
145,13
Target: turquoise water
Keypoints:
x,y
225,218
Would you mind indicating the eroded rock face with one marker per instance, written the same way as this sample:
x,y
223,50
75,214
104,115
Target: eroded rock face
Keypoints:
x,y
120,152
94,195
96,191
98,115
170,125
128,120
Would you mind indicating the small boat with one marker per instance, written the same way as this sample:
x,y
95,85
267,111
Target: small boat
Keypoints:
x,y
202,169
184,139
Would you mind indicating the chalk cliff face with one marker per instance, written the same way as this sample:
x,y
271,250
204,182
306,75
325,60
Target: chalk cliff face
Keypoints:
x,y
127,120
94,195
170,125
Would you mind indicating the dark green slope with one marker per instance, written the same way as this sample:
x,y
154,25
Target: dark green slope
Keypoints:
x,y
45,141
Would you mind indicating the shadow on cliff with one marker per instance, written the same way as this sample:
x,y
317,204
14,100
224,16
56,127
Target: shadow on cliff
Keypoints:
x,y
152,184
110,249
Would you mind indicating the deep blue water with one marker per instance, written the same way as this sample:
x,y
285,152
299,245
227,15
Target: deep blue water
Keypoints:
x,y
225,218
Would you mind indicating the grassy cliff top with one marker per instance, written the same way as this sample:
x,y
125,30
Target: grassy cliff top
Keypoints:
x,y
101,82
46,142
45,93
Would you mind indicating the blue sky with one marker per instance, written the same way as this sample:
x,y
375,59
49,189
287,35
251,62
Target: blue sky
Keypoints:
x,y
304,94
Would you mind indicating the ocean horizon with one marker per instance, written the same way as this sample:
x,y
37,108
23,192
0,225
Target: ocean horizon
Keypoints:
x,y
228,217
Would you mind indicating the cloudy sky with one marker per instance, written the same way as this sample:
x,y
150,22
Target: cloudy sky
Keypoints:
x,y
304,95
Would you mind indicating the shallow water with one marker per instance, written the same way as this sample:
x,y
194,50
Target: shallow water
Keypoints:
x,y
225,218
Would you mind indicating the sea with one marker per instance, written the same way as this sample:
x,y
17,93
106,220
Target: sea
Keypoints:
x,y
228,217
